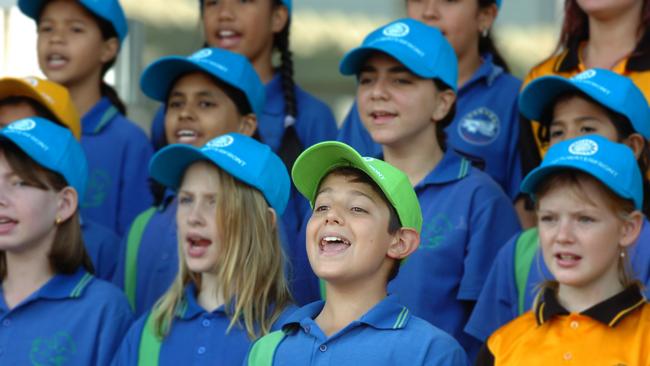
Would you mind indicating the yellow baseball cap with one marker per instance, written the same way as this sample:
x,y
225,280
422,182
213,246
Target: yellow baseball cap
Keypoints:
x,y
50,95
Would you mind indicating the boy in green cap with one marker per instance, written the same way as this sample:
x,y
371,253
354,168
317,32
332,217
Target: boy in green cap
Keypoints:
x,y
366,219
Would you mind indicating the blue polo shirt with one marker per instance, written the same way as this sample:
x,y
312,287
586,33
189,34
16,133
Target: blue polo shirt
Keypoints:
x,y
118,154
103,247
486,125
498,303
197,337
388,334
73,319
466,219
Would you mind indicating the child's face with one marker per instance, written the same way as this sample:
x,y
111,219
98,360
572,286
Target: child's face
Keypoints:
x,y
196,217
581,240
198,111
395,105
70,45
460,21
15,111
576,116
244,27
347,234
27,214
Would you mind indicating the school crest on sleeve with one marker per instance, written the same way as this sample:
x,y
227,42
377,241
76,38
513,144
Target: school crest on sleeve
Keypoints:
x,y
479,127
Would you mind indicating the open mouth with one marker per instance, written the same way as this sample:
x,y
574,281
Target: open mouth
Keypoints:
x,y
186,136
382,116
198,245
567,259
6,224
56,60
333,244
228,38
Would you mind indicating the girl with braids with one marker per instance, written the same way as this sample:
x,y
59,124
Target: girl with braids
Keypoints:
x,y
230,288
78,42
486,126
597,102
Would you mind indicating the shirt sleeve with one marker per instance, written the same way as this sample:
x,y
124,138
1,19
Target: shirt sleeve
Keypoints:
x,y
135,195
128,352
497,303
117,319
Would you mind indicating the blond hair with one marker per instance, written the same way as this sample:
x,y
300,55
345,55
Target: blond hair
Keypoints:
x,y
250,268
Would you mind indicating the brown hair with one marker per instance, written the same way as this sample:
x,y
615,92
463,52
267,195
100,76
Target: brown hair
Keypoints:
x,y
68,252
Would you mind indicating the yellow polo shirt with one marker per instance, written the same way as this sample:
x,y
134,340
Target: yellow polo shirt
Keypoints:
x,y
615,332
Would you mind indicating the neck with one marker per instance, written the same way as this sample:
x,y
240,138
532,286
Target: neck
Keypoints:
x,y
416,158
346,304
579,299
26,273
468,63
209,297
85,94
263,65
612,39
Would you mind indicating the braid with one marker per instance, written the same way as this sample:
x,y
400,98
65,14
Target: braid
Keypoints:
x,y
281,42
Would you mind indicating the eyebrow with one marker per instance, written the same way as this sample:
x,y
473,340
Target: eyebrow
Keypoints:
x,y
353,192
393,70
203,93
580,119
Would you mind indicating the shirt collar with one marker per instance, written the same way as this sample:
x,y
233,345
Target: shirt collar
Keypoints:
x,y
388,314
98,117
487,72
452,167
274,96
189,307
638,61
609,312
63,286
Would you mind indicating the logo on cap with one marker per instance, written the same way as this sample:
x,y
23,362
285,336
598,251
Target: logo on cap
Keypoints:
x,y
31,81
367,158
220,142
583,148
22,125
585,75
397,30
202,54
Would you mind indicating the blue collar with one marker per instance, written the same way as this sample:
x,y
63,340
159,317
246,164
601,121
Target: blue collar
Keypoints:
x,y
61,286
388,314
452,167
98,117
274,96
487,72
190,308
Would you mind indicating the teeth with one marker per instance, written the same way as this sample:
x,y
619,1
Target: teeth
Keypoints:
x,y
567,256
335,239
5,221
226,33
186,133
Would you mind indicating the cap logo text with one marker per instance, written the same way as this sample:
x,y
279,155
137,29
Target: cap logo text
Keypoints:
x,y
583,148
585,75
220,142
22,125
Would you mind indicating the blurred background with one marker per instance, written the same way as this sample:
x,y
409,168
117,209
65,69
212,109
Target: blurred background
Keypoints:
x,y
526,31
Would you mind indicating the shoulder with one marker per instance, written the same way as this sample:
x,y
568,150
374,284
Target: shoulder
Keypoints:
x,y
509,334
546,67
419,334
104,295
482,184
126,129
506,83
311,107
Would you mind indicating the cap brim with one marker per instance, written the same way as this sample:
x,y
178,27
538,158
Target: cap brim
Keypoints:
x,y
354,60
537,96
158,78
168,165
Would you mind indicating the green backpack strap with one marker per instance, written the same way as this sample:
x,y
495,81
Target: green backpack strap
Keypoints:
x,y
264,349
132,247
525,250
149,350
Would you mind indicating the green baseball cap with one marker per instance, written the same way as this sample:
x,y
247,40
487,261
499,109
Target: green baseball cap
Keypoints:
x,y
320,159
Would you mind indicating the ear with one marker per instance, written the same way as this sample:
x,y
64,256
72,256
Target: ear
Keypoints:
x,y
273,216
279,18
636,142
109,50
631,229
486,17
406,242
68,201
446,99
248,124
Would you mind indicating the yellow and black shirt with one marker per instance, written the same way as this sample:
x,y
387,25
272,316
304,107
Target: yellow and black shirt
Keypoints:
x,y
615,332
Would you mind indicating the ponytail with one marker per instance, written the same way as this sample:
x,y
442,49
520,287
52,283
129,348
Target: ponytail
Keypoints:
x,y
110,93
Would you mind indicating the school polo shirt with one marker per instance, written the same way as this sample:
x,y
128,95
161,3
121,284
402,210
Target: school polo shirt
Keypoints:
x,y
499,300
613,332
388,334
118,154
197,337
486,125
103,247
74,319
466,219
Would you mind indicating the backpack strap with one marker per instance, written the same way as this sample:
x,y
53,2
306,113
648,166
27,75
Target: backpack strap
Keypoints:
x,y
132,247
149,350
263,350
525,249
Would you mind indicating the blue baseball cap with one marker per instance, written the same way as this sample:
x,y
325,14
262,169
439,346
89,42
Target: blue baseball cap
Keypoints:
x,y
52,146
229,67
611,163
246,159
286,3
109,10
420,48
609,89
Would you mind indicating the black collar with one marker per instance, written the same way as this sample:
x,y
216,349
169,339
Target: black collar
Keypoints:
x,y
638,61
609,312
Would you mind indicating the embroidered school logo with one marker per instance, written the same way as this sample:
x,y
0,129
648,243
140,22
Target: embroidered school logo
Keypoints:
x,y
583,147
55,351
97,188
22,125
202,54
220,142
397,30
585,75
479,127
435,231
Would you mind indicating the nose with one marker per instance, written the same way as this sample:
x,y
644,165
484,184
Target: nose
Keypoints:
x,y
224,10
565,232
430,11
379,90
186,112
195,216
333,217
